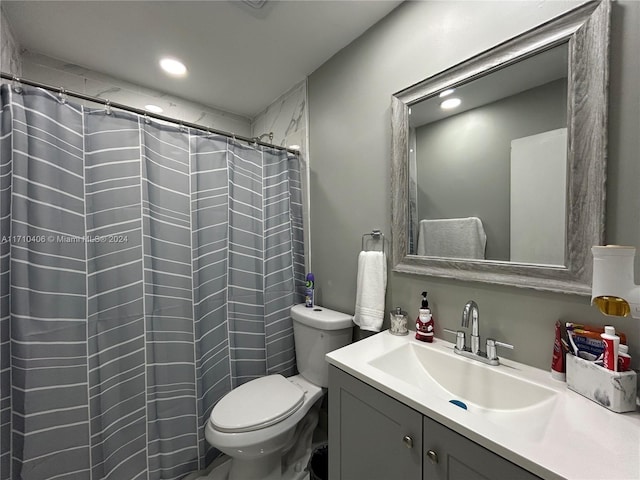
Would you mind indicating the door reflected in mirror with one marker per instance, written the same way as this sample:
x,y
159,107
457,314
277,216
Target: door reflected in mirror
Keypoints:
x,y
488,175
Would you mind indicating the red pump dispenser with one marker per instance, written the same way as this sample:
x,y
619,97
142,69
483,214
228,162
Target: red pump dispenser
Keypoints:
x,y
424,322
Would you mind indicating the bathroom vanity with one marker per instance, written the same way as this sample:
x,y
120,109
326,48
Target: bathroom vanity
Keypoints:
x,y
377,437
391,417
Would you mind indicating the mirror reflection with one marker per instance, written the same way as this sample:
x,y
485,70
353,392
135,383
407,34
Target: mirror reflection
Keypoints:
x,y
488,165
502,202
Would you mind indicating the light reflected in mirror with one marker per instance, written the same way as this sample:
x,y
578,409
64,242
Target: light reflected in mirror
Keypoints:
x,y
487,178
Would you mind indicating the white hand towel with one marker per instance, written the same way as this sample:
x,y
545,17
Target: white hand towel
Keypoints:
x,y
371,287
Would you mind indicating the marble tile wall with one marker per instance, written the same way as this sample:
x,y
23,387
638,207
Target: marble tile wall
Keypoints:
x,y
10,59
288,119
56,72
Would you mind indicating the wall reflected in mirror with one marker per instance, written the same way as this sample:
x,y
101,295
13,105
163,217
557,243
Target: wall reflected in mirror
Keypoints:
x,y
488,178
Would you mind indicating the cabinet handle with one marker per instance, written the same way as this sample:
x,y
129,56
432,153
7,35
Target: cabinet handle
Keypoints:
x,y
432,456
408,441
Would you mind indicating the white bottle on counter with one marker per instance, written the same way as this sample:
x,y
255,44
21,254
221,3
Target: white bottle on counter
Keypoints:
x,y
611,345
624,359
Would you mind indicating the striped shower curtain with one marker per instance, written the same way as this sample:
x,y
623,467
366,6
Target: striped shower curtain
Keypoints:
x,y
146,270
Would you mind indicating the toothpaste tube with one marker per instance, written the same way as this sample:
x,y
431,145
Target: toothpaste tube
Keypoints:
x,y
588,345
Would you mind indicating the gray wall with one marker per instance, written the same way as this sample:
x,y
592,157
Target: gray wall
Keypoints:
x,y
464,160
350,145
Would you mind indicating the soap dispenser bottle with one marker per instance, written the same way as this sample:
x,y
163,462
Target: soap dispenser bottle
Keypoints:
x,y
424,322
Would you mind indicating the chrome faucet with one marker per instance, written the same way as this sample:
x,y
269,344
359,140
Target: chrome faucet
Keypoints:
x,y
490,356
471,310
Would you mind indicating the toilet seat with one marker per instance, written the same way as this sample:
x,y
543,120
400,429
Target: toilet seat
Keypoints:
x,y
257,404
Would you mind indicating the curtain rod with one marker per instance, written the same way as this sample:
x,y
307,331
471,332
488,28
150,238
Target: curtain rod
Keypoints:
x,y
139,111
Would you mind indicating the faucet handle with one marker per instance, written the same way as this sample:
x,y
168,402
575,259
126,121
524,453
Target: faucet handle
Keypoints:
x,y
492,351
460,337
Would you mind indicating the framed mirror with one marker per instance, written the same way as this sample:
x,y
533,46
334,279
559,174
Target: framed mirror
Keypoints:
x,y
508,185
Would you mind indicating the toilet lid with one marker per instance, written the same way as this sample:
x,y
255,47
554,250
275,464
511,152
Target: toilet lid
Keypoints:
x,y
257,404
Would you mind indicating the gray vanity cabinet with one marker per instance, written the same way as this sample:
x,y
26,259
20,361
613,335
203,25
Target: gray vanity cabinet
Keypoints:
x,y
450,456
371,435
375,437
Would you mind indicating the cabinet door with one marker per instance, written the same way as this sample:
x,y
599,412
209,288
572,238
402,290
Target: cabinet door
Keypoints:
x,y
371,435
451,456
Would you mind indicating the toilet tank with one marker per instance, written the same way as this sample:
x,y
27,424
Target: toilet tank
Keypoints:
x,y
318,331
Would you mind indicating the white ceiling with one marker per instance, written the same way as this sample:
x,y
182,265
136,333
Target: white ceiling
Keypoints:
x,y
240,59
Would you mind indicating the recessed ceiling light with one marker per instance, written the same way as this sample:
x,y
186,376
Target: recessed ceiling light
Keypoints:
x,y
153,108
450,103
447,92
173,67
294,147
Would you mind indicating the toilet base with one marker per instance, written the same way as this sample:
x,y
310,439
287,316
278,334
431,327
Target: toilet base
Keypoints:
x,y
268,467
274,465
221,472
293,463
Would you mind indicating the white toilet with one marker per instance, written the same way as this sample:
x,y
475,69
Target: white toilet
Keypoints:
x,y
255,424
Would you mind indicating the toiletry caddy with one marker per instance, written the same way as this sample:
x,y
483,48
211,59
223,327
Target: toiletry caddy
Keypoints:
x,y
604,384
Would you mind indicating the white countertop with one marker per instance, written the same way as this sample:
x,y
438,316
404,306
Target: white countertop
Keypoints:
x,y
581,439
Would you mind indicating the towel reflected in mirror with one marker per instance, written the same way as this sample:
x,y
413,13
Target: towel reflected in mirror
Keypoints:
x,y
452,238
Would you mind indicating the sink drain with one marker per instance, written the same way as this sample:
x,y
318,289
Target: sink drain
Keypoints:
x,y
458,403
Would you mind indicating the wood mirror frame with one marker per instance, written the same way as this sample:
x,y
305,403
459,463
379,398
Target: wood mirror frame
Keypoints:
x,y
586,30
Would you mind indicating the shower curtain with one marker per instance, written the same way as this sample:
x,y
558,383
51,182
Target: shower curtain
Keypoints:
x,y
146,270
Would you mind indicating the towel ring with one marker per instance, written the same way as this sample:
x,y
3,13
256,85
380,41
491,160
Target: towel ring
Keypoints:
x,y
376,234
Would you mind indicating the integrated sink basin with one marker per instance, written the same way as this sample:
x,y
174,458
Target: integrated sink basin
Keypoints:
x,y
514,410
452,377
